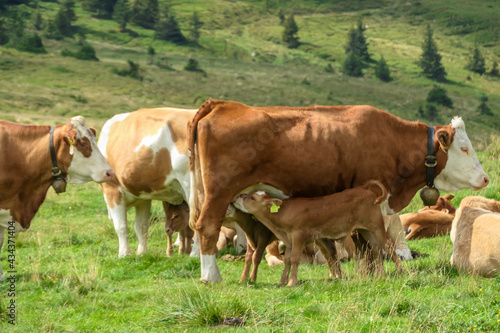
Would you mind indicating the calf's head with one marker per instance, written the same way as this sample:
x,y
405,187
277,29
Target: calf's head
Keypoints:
x,y
87,163
256,203
177,217
462,169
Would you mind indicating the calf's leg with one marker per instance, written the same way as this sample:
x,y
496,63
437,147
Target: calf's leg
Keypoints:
x,y
327,248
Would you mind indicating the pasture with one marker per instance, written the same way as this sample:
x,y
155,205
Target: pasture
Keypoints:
x,y
68,275
69,279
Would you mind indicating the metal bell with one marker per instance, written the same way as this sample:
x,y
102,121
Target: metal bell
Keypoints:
x,y
59,185
429,195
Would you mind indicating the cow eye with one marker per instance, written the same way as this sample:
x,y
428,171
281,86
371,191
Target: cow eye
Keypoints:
x,y
465,150
175,216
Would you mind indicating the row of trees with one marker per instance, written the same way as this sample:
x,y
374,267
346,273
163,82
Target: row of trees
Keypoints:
x,y
147,14
357,56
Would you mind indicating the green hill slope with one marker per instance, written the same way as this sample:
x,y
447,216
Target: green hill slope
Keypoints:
x,y
240,50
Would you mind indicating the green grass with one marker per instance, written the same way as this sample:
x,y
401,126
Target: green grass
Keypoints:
x,y
69,279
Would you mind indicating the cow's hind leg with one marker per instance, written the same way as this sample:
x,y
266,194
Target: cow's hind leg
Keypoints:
x,y
208,226
142,211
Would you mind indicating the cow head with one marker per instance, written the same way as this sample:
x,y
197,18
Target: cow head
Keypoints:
x,y
463,169
87,163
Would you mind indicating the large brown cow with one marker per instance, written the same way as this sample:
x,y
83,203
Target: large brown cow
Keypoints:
x,y
314,151
28,167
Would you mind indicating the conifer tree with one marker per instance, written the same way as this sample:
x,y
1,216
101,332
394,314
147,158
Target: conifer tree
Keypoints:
x,y
122,13
37,20
103,8
353,65
476,61
167,27
4,38
483,108
356,42
430,60
439,96
194,26
382,70
494,70
145,13
289,36
151,54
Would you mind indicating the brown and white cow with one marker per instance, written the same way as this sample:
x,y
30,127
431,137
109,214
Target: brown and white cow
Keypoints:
x,y
315,151
476,237
148,151
26,167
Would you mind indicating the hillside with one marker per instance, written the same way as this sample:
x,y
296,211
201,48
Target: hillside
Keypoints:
x,y
241,51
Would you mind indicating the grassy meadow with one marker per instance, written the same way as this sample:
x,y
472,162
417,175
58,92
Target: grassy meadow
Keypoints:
x,y
69,277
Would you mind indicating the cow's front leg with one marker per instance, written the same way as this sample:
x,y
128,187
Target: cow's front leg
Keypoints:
x,y
142,211
117,212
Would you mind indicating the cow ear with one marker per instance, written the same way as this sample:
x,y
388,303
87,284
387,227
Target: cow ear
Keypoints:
x,y
273,201
70,137
93,131
444,139
449,196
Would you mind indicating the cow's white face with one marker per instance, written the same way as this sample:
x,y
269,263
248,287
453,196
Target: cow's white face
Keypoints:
x,y
87,164
463,170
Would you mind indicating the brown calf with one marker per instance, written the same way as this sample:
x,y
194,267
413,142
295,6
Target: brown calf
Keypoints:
x,y
298,221
428,223
177,217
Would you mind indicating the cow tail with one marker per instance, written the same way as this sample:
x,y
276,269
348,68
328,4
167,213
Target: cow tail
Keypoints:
x,y
383,196
196,181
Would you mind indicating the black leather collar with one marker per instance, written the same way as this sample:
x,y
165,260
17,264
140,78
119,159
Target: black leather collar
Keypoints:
x,y
58,180
430,159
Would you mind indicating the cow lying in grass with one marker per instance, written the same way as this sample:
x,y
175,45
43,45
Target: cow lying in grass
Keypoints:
x,y
298,221
475,234
430,221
